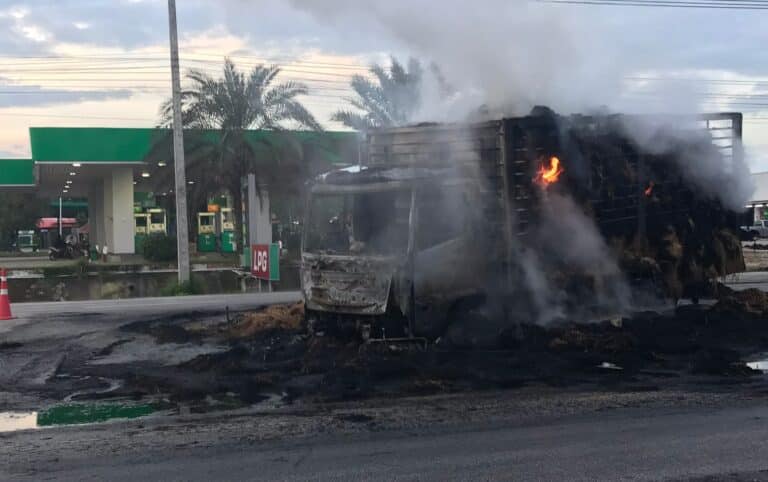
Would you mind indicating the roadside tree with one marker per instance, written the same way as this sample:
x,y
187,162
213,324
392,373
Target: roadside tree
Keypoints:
x,y
389,100
219,112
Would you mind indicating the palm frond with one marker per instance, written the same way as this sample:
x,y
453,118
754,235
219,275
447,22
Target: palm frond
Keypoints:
x,y
388,100
235,102
353,120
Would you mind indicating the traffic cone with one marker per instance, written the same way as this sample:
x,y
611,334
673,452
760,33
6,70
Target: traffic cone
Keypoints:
x,y
5,302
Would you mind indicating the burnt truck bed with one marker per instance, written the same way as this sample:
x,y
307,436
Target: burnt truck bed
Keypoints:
x,y
528,219
640,202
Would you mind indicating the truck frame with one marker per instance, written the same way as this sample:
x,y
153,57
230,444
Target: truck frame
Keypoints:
x,y
430,226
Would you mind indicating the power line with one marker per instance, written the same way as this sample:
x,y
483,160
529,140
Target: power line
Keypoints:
x,y
64,116
702,4
161,75
154,69
697,79
128,57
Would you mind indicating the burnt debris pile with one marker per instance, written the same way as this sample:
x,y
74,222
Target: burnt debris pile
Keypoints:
x,y
616,213
654,217
271,355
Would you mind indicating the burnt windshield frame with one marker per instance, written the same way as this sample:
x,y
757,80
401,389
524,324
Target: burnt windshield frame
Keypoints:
x,y
372,220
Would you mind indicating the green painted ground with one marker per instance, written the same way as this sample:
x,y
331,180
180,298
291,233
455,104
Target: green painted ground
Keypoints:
x,y
77,414
73,414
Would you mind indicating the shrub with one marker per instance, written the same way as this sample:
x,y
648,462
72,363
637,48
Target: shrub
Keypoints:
x,y
187,288
159,248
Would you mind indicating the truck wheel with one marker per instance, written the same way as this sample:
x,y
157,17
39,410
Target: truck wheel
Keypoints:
x,y
471,324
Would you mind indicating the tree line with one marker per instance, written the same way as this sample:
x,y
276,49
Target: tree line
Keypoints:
x,y
238,101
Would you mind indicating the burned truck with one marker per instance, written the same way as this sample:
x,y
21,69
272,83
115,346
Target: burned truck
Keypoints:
x,y
513,221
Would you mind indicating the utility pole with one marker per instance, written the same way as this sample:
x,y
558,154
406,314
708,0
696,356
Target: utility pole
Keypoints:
x,y
61,226
182,229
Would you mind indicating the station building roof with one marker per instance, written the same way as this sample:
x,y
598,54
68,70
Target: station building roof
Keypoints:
x,y
57,151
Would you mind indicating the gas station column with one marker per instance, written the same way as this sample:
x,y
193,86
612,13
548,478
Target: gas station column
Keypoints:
x,y
117,210
96,214
259,214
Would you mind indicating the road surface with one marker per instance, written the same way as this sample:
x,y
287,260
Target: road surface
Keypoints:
x,y
626,444
159,306
676,441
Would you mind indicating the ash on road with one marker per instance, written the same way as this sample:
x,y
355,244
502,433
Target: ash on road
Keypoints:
x,y
255,397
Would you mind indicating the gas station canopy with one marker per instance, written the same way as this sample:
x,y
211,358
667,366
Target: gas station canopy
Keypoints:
x,y
106,165
58,152
17,173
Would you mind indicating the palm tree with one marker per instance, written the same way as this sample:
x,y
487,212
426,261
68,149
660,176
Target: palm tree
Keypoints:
x,y
389,101
233,104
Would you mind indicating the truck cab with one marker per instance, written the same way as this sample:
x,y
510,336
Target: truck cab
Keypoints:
x,y
388,252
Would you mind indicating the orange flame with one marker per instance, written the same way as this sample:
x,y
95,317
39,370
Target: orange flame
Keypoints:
x,y
549,174
649,189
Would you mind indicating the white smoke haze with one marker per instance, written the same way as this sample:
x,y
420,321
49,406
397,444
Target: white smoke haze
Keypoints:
x,y
548,302
566,238
727,180
507,55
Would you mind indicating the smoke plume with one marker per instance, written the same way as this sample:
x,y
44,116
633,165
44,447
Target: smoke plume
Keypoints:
x,y
508,56
505,57
719,175
566,241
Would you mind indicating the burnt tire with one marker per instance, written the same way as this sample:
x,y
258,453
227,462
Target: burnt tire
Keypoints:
x,y
472,324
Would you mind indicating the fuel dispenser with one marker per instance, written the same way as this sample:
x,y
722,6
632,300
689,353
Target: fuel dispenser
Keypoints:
x,y
157,221
206,232
141,230
228,244
26,241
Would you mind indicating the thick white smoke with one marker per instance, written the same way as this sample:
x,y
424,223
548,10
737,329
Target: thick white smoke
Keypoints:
x,y
566,239
725,178
507,55
511,55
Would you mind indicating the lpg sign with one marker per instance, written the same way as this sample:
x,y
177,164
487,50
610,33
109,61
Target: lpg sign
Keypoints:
x,y
265,261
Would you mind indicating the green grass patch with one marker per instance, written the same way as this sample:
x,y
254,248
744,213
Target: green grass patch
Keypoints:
x,y
188,288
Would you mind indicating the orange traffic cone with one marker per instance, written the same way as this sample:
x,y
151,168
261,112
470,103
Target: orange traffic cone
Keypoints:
x,y
5,302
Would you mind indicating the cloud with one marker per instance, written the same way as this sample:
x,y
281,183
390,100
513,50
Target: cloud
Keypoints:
x,y
41,24
653,38
570,57
36,26
16,95
17,37
585,49
15,150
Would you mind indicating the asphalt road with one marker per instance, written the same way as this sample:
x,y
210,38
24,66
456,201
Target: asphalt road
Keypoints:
x,y
159,306
751,279
626,444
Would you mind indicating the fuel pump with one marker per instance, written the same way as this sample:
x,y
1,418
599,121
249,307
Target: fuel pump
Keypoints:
x,y
206,232
140,230
157,221
228,244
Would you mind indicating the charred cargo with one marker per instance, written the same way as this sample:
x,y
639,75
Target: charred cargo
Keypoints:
x,y
515,220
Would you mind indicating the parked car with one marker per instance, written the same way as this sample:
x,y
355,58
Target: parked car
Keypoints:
x,y
758,229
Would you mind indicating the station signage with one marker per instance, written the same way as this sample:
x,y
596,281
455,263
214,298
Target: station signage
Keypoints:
x,y
265,261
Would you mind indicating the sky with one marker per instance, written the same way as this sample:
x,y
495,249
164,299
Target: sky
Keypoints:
x,y
105,62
